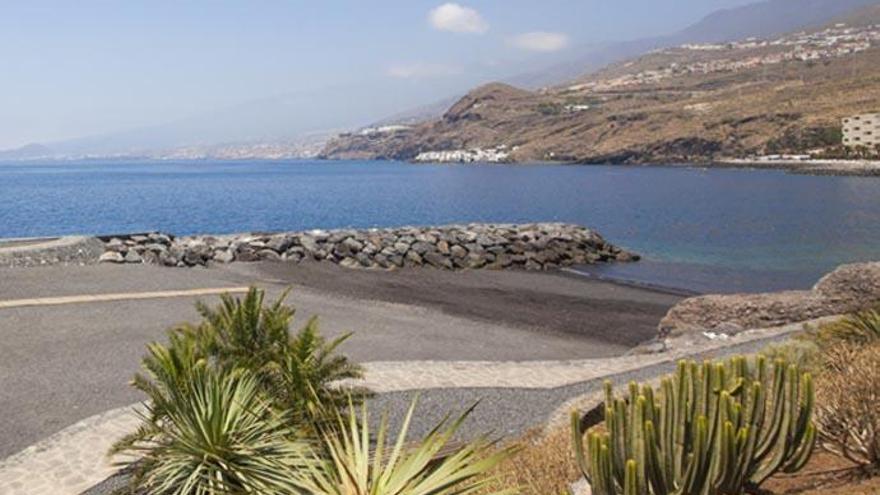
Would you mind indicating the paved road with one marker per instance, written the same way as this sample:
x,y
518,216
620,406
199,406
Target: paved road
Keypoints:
x,y
62,363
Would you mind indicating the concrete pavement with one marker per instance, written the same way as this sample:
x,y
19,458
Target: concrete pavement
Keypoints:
x,y
62,363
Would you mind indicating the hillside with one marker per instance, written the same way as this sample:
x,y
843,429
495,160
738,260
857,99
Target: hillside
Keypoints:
x,y
761,19
687,103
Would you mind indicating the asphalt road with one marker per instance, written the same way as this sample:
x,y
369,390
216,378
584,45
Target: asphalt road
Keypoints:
x,y
62,363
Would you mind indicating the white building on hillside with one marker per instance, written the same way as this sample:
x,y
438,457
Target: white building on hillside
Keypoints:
x,y
862,130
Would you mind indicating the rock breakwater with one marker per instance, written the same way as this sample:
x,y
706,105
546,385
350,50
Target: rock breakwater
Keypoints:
x,y
538,246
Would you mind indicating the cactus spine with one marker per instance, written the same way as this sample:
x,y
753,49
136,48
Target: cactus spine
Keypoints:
x,y
712,429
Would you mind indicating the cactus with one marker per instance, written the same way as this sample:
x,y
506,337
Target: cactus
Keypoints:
x,y
711,429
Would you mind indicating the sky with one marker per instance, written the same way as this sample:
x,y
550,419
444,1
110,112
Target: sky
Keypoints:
x,y
91,67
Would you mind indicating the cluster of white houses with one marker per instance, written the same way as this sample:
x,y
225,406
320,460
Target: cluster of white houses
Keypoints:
x,y
862,130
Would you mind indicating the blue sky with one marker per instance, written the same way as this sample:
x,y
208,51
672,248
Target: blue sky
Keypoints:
x,y
85,67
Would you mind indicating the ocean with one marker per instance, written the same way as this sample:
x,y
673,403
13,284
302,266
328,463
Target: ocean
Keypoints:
x,y
703,230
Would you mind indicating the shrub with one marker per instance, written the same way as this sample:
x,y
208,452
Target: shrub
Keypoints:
x,y
862,327
849,394
236,385
236,405
350,468
716,429
216,434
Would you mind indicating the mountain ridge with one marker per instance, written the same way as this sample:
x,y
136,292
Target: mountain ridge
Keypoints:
x,y
708,102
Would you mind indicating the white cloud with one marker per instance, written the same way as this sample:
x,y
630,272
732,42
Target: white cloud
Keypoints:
x,y
458,19
422,71
540,41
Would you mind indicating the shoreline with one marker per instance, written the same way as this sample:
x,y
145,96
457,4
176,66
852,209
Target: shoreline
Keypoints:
x,y
843,168
633,284
819,167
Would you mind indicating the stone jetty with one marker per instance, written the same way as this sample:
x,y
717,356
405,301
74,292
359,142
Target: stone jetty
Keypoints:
x,y
537,246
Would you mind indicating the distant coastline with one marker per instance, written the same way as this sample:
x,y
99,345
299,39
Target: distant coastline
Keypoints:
x,y
859,168
818,167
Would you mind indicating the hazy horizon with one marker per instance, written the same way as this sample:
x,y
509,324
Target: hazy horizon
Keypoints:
x,y
96,68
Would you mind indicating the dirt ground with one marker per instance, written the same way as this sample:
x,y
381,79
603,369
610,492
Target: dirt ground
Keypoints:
x,y
825,474
539,301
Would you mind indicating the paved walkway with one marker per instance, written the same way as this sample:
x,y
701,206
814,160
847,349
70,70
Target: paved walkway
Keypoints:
x,y
73,336
73,460
127,296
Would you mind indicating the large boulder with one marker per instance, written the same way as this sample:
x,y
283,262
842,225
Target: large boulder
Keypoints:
x,y
856,285
848,288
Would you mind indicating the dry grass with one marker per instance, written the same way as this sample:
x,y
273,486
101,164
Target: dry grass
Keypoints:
x,y
848,396
543,465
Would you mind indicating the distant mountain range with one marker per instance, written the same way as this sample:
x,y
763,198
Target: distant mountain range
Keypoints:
x,y
762,19
694,102
27,152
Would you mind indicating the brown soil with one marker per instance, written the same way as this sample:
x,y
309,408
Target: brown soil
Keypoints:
x,y
825,474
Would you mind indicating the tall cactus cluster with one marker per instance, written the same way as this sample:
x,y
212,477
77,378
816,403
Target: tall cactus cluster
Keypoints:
x,y
710,429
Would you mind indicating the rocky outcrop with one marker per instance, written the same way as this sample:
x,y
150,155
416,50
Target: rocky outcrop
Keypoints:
x,y
540,246
848,288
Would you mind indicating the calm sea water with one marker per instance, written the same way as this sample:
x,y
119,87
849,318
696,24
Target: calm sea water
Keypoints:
x,y
703,230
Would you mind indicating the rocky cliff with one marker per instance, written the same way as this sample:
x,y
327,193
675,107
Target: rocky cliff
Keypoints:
x,y
849,288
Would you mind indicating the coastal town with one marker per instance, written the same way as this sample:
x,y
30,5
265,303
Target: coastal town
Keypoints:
x,y
838,41
498,154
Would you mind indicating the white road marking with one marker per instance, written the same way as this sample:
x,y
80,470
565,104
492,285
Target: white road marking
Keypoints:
x,y
126,296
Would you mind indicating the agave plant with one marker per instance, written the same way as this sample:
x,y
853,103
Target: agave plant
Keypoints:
x,y
352,467
717,429
168,371
216,435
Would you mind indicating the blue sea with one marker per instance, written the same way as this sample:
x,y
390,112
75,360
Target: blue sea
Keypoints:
x,y
701,230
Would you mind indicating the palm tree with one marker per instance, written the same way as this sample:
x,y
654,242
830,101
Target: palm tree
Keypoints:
x,y
297,371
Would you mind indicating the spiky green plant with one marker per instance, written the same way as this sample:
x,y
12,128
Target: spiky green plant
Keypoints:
x,y
713,429
352,467
216,434
862,327
166,376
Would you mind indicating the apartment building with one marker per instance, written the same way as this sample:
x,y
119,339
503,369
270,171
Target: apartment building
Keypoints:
x,y
862,130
